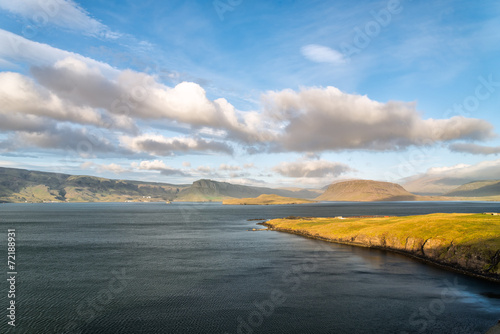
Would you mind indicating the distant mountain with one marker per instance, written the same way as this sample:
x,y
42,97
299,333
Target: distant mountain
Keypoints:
x,y
477,189
304,193
20,185
366,190
209,190
432,185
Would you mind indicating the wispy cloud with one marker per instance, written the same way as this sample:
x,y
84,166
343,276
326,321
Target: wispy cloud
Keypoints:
x,y
165,146
474,148
100,168
64,14
22,50
230,168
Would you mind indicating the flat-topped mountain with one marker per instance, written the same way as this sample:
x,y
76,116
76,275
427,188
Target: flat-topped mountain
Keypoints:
x,y
209,190
366,190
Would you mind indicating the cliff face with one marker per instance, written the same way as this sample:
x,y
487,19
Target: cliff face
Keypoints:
x,y
456,243
366,190
480,261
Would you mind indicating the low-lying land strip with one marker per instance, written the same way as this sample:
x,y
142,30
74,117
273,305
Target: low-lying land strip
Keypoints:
x,y
469,243
266,200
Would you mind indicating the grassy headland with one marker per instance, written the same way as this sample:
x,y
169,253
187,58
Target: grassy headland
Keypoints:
x,y
466,242
266,200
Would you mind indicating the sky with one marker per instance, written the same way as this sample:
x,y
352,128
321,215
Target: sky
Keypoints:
x,y
265,93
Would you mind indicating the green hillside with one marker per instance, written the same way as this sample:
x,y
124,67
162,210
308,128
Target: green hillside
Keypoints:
x,y
18,185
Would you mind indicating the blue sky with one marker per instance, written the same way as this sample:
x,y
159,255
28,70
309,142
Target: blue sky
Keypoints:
x,y
282,93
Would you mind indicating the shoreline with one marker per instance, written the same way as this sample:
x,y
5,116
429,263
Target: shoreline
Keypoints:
x,y
495,329
469,272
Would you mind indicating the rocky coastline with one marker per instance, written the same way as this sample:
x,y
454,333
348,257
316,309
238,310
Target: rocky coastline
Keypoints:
x,y
457,258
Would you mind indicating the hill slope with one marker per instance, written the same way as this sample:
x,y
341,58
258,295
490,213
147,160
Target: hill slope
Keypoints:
x,y
266,200
477,189
19,185
366,190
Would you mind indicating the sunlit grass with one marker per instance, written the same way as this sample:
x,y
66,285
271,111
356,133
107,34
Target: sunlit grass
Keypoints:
x,y
266,200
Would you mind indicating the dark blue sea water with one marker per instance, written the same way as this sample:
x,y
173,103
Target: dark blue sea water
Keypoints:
x,y
194,268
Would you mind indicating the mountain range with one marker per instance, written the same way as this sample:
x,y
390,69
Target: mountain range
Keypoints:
x,y
20,185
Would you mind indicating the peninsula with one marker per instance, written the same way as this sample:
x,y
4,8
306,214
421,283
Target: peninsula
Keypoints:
x,y
266,200
469,243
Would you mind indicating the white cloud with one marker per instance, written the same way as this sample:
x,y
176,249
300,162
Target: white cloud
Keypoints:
x,y
64,14
21,96
74,89
312,169
186,164
321,119
322,54
150,165
185,104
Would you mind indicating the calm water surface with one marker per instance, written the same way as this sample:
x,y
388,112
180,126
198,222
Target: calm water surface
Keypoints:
x,y
194,268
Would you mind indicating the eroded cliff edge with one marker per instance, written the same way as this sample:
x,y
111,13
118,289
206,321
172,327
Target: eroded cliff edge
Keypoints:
x,y
469,243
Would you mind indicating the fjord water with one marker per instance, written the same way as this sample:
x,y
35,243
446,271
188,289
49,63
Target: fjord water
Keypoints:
x,y
194,268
